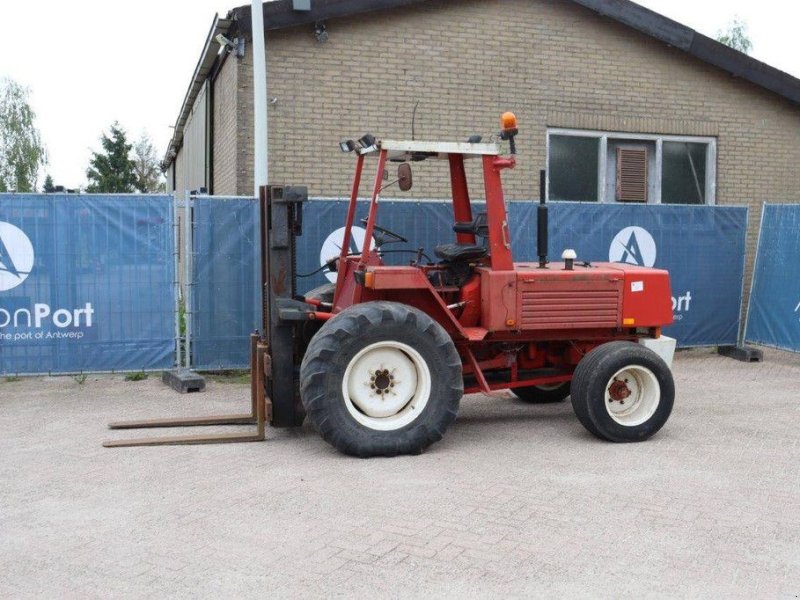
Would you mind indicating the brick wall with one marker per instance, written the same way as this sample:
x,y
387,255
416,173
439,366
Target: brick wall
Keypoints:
x,y
550,61
225,132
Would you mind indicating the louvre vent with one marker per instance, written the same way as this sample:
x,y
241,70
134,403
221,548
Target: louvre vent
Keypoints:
x,y
551,306
632,174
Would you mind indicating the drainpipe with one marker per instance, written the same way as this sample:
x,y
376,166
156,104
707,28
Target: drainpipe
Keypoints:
x,y
260,140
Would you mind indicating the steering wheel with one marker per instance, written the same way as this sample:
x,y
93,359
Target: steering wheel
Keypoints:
x,y
378,228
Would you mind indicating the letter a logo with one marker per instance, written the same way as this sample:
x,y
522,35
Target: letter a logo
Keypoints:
x,y
16,256
634,246
632,253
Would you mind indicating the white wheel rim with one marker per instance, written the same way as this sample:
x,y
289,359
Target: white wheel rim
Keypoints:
x,y
386,386
632,395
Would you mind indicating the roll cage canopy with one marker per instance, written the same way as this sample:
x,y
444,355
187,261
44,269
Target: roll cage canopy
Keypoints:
x,y
401,151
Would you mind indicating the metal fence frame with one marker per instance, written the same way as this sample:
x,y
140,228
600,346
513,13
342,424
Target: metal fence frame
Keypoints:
x,y
185,284
193,286
186,290
754,280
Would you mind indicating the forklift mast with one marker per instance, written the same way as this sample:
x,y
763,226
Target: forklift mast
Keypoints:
x,y
281,212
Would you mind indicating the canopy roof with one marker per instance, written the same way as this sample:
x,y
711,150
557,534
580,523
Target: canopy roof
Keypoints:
x,y
415,150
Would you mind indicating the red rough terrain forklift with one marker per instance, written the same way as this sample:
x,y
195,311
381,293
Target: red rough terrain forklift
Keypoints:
x,y
401,345
379,361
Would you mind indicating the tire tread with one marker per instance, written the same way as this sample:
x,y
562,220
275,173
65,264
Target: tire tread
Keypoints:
x,y
346,327
588,390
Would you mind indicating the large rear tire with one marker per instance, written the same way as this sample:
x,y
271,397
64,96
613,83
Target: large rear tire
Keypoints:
x,y
381,379
623,392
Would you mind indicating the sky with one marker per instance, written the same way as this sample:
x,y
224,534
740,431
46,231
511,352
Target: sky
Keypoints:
x,y
88,63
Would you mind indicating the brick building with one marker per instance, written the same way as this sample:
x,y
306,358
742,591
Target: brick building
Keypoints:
x,y
588,79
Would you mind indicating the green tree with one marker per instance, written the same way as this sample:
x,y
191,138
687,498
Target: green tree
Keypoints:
x,y
147,166
736,36
22,153
112,171
49,188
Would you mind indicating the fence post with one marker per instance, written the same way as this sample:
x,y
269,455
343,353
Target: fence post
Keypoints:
x,y
743,329
187,271
741,351
177,283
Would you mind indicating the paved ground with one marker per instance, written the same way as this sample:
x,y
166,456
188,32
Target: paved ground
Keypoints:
x,y
517,500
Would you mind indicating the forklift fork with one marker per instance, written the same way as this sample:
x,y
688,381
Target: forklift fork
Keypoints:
x,y
260,412
272,387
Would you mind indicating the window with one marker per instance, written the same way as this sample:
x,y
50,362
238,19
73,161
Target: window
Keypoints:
x,y
592,166
684,173
573,168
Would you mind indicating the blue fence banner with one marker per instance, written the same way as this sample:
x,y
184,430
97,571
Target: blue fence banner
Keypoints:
x,y
86,283
225,296
703,247
774,312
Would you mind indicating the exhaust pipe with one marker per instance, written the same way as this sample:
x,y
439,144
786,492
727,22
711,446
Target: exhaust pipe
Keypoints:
x,y
541,219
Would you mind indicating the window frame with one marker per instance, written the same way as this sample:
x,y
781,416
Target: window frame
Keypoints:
x,y
602,156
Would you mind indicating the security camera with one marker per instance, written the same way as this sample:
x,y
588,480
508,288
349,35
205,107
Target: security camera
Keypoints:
x,y
223,41
321,32
236,45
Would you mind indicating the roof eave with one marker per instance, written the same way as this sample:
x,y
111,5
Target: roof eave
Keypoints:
x,y
697,45
204,66
746,67
280,14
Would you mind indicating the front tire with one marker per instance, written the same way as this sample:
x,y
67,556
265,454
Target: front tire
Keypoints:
x,y
623,392
381,379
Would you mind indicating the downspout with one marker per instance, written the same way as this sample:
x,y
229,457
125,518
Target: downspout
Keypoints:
x,y
210,103
260,139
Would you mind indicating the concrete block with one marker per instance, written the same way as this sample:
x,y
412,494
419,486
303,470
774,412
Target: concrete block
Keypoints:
x,y
742,353
184,380
663,346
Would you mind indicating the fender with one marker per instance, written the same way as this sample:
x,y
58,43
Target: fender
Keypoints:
x,y
410,286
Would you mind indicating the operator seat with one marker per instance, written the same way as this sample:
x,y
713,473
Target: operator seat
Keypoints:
x,y
460,252
479,226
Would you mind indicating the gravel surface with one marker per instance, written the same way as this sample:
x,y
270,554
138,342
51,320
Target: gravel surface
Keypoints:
x,y
516,500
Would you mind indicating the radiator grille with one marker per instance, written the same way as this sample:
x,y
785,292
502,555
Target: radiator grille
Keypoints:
x,y
550,309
